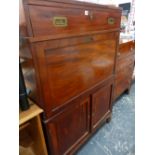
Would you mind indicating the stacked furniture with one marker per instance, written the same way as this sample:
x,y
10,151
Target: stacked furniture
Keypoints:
x,y
69,51
124,66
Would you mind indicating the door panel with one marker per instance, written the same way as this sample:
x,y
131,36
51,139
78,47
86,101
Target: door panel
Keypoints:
x,y
70,127
101,101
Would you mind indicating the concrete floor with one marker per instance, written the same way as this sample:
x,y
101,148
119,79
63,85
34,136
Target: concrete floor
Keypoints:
x,y
118,136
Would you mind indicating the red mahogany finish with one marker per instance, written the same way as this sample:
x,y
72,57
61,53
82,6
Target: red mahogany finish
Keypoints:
x,y
124,66
69,50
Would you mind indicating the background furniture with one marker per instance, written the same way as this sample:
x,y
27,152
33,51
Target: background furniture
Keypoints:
x,y
69,51
124,66
31,134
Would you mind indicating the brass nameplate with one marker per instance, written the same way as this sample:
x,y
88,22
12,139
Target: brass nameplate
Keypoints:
x,y
60,21
111,21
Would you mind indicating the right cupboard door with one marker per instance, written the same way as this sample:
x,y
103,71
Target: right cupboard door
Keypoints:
x,y
101,105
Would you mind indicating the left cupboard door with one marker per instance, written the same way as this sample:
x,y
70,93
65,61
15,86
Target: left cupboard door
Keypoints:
x,y
70,128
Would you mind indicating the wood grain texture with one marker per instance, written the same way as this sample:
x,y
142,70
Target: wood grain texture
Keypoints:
x,y
75,16
72,35
124,62
29,74
101,105
126,48
74,60
124,67
31,133
25,116
123,79
37,135
70,127
72,3
74,68
26,58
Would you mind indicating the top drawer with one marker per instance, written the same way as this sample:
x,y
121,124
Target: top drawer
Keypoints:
x,y
126,48
48,20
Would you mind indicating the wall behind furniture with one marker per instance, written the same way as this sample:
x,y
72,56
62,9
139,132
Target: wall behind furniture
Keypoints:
x,y
114,2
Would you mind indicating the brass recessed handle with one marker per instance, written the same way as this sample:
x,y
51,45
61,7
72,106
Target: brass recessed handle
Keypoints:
x,y
111,20
59,21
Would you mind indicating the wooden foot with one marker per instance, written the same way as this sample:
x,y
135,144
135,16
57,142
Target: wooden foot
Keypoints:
x,y
108,120
127,91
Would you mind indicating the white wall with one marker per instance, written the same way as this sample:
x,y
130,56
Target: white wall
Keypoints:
x,y
116,2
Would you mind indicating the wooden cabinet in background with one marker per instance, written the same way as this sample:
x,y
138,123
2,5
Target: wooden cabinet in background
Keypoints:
x,y
70,67
124,66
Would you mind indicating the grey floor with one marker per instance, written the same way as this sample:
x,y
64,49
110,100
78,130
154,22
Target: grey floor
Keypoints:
x,y
118,136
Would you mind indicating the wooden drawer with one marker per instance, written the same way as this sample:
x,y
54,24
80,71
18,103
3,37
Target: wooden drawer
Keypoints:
x,y
124,62
56,19
126,49
101,105
123,80
69,128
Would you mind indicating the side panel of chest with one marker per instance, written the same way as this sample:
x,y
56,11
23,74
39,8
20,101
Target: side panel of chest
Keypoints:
x,y
124,67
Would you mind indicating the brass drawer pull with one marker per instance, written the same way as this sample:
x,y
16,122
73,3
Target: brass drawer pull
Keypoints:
x,y
60,21
111,21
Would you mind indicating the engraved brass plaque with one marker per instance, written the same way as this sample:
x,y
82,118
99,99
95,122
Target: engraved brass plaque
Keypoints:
x,y
60,21
111,21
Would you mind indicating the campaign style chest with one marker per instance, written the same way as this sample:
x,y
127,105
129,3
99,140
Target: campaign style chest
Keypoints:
x,y
68,49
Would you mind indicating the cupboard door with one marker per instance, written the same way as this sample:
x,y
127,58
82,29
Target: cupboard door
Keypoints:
x,y
101,105
69,128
